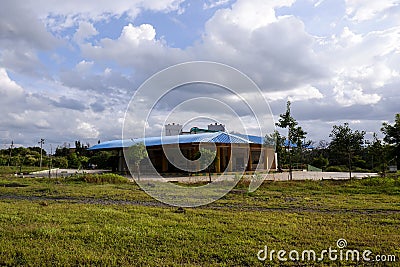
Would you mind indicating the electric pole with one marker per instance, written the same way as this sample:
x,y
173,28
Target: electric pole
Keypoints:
x,y
41,142
9,158
51,153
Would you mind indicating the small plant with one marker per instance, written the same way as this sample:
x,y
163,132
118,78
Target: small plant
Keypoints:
x,y
258,176
238,176
106,178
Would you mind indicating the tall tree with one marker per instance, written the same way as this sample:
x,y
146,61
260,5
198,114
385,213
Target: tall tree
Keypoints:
x,y
207,158
276,141
136,154
295,134
346,143
377,152
392,137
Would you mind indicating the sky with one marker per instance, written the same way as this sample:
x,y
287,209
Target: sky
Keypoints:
x,y
68,69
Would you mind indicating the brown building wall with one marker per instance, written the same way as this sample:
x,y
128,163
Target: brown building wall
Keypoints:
x,y
230,158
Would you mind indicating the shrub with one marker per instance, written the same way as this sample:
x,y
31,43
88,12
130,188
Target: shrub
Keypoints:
x,y
105,178
320,162
380,181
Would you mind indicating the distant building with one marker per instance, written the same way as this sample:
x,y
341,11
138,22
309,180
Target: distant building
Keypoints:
x,y
216,127
173,129
176,129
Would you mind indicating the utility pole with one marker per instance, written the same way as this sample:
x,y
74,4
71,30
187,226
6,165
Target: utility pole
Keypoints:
x,y
50,158
41,142
11,147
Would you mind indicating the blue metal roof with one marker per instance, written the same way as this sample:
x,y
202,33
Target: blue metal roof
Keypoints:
x,y
218,137
252,138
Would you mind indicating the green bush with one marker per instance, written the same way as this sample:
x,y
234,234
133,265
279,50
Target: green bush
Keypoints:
x,y
380,181
105,178
320,162
60,162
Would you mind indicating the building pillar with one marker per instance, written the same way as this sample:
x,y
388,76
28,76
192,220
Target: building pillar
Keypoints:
x,y
250,163
218,160
164,167
121,162
231,159
266,160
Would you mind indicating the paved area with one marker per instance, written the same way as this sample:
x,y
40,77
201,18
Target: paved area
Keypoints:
x,y
284,176
304,175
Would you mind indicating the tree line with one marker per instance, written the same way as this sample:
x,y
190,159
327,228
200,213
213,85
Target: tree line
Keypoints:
x,y
64,157
347,150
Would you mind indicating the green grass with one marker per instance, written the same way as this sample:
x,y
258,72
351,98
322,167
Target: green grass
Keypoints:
x,y
47,222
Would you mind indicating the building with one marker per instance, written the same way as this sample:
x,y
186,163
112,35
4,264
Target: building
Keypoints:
x,y
173,129
234,152
216,127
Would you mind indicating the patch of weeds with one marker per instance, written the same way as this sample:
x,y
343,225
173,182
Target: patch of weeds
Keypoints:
x,y
13,185
105,178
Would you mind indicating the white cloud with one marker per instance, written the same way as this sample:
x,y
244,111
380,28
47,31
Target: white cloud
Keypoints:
x,y
64,14
306,92
20,27
262,13
84,31
214,4
361,10
86,130
23,60
137,47
9,89
318,3
348,38
42,123
134,34
348,94
362,64
84,66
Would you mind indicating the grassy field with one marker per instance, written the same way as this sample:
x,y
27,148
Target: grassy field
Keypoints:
x,y
91,222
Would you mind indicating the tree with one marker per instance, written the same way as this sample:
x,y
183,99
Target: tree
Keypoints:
x,y
320,162
377,151
60,162
62,151
392,137
73,161
38,150
346,143
102,159
207,158
136,154
295,135
277,141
